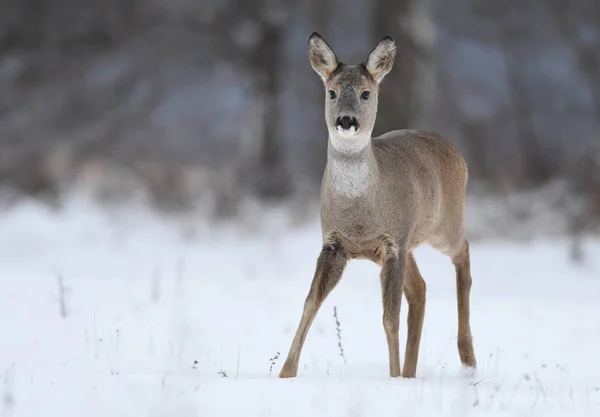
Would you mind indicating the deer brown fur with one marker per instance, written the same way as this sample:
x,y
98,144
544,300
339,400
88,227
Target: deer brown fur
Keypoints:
x,y
380,199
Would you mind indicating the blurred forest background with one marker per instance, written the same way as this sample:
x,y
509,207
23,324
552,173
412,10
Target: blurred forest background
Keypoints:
x,y
211,102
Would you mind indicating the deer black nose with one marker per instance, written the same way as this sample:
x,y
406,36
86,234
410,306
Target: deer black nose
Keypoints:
x,y
347,121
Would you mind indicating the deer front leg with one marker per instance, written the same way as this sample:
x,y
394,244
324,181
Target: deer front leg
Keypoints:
x,y
330,266
414,289
392,281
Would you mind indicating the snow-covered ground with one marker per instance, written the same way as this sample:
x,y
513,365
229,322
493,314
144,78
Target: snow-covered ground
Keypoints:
x,y
156,324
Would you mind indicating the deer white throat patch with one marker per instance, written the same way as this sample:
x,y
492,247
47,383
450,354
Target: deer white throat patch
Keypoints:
x,y
351,175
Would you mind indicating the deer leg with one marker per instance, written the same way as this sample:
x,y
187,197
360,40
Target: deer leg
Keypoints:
x,y
414,289
463,288
330,266
392,280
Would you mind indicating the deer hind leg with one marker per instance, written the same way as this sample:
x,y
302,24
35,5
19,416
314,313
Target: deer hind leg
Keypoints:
x,y
392,281
330,266
462,265
414,289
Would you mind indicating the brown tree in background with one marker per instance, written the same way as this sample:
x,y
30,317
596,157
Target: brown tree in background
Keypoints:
x,y
396,100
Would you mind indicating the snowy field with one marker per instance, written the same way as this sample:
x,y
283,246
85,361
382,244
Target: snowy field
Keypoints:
x,y
156,319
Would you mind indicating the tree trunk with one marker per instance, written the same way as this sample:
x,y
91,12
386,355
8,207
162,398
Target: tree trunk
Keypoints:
x,y
397,95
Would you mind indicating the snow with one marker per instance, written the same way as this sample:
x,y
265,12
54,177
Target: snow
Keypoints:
x,y
155,314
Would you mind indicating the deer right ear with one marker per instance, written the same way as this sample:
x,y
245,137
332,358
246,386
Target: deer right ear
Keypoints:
x,y
381,59
322,57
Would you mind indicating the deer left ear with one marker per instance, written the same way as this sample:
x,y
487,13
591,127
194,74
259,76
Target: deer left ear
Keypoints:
x,y
381,59
322,58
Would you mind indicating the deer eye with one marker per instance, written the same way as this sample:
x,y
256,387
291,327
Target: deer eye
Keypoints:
x,y
365,95
332,94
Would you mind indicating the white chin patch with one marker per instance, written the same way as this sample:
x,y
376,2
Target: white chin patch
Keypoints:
x,y
346,133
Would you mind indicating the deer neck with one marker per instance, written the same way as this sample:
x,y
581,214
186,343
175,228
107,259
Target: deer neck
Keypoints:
x,y
351,165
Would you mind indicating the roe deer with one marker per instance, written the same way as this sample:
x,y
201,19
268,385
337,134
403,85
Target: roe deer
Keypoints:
x,y
381,198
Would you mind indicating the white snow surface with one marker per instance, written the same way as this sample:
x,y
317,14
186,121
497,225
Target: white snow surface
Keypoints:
x,y
154,320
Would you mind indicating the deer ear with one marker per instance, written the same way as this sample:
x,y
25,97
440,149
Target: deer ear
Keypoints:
x,y
322,57
381,59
